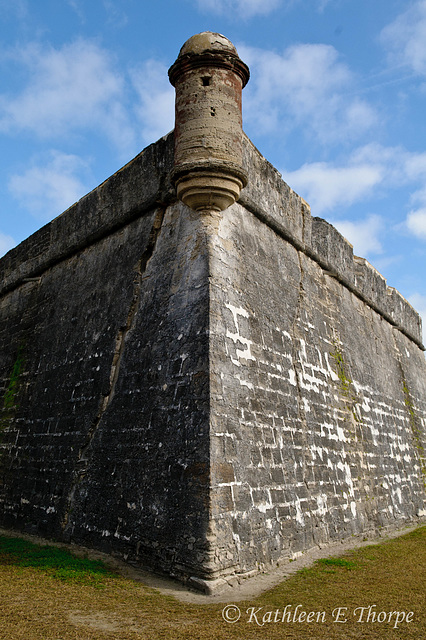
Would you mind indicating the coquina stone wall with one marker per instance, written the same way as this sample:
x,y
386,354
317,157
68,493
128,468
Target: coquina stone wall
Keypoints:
x,y
319,383
204,393
105,373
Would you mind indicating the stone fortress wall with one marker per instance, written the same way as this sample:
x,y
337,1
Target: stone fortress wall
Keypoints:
x,y
205,389
320,386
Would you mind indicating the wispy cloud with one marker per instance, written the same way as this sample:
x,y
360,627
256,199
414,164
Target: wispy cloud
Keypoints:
x,y
48,188
6,243
18,8
370,170
416,223
364,234
405,38
327,187
115,14
244,8
307,85
76,86
249,8
156,98
76,7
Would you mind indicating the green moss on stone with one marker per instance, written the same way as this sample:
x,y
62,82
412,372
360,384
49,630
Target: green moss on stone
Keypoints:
x,y
349,396
345,381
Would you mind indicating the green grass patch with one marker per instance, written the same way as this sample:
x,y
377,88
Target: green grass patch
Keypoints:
x,y
57,562
336,562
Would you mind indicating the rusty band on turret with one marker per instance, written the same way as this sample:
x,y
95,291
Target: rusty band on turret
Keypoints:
x,y
229,61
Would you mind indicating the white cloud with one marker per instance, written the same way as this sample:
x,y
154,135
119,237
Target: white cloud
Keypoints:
x,y
156,100
307,86
369,169
47,190
405,37
326,187
416,223
392,160
74,87
364,235
6,243
415,169
415,165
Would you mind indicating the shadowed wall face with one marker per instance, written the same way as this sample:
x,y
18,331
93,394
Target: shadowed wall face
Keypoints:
x,y
106,401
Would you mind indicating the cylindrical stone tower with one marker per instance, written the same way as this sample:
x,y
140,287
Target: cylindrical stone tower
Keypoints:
x,y
208,76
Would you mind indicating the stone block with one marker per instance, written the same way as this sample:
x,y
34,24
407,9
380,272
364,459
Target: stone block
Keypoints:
x,y
333,249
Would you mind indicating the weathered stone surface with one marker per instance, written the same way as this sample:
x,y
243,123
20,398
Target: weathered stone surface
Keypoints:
x,y
273,202
370,283
204,393
208,76
270,198
140,185
105,359
334,249
311,388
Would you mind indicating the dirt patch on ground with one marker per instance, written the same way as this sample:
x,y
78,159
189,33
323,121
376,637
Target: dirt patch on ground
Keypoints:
x,y
94,621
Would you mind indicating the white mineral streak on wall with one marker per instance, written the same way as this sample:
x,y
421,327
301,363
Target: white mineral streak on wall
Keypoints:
x,y
299,513
292,377
314,376
245,383
229,484
236,337
265,506
237,540
288,443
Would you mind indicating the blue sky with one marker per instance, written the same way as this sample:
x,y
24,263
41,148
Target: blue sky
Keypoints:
x,y
336,102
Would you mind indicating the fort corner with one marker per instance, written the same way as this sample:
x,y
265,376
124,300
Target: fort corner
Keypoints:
x,y
230,386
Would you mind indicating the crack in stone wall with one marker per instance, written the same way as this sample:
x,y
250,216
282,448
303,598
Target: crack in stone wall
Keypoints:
x,y
83,460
